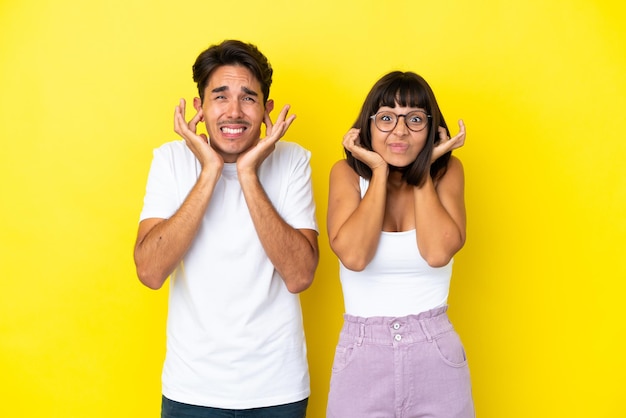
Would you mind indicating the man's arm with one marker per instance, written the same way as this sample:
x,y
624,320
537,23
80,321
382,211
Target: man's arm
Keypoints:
x,y
293,252
162,243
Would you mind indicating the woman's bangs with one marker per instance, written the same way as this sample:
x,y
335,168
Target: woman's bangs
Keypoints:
x,y
404,93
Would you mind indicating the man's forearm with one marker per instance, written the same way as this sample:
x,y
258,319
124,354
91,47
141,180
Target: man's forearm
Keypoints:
x,y
293,253
162,243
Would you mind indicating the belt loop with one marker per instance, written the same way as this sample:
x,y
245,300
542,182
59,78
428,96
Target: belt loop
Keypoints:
x,y
425,330
361,334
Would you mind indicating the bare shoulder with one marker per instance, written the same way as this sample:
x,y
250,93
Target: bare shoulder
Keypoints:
x,y
455,163
454,174
341,171
341,165
455,167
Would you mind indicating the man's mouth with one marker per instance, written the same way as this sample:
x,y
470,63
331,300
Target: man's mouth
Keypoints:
x,y
233,127
232,131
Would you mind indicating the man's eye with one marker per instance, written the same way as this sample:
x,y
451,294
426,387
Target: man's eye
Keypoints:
x,y
249,99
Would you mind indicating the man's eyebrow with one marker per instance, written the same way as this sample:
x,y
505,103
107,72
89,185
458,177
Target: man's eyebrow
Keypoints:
x,y
250,92
219,89
244,89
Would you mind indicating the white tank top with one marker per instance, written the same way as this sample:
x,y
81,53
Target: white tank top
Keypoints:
x,y
397,282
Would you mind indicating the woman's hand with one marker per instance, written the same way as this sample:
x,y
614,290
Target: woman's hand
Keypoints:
x,y
448,144
352,142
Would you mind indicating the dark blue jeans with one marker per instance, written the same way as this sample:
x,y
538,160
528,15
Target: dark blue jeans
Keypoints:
x,y
173,409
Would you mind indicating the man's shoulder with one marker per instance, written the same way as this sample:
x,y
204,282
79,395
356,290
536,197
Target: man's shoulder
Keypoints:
x,y
176,146
175,151
291,149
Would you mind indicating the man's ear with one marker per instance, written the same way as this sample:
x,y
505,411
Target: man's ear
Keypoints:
x,y
269,106
197,104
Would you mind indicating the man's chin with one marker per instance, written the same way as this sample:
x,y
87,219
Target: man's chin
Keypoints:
x,y
230,150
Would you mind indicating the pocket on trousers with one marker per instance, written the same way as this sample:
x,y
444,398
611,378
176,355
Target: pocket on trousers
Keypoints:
x,y
451,349
343,356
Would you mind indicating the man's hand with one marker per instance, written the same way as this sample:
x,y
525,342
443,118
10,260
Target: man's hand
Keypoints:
x,y
448,144
352,142
249,161
197,143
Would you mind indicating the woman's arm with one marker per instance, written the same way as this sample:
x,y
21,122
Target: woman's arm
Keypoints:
x,y
354,224
440,215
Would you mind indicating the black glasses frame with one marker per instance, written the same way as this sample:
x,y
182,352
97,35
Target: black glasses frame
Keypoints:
x,y
373,117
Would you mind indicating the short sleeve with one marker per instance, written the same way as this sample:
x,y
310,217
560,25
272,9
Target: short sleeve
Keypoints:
x,y
299,200
160,200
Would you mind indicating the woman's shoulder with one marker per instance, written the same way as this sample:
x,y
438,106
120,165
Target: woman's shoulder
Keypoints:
x,y
453,175
342,175
342,168
455,165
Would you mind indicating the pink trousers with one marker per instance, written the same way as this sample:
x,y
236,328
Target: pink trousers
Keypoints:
x,y
408,367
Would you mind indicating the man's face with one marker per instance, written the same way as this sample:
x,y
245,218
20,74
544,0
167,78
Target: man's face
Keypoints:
x,y
233,111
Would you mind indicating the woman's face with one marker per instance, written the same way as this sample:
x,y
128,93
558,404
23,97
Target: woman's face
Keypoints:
x,y
402,143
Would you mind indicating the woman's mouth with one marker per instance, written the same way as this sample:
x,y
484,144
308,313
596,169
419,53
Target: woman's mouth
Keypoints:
x,y
398,147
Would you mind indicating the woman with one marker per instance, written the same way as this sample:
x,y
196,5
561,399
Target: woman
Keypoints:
x,y
396,217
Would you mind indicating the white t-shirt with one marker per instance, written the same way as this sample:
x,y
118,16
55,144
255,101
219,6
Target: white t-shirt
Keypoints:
x,y
397,282
235,338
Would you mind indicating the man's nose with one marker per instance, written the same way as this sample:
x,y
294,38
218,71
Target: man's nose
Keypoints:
x,y
234,108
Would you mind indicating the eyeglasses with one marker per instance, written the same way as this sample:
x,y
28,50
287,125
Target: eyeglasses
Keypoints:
x,y
387,121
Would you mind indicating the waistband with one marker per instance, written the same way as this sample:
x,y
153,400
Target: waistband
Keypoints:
x,y
424,326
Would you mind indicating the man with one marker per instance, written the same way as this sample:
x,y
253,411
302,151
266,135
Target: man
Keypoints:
x,y
230,218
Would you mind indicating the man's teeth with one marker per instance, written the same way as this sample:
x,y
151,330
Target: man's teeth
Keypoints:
x,y
232,131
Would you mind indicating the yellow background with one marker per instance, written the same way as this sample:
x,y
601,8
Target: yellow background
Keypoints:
x,y
88,89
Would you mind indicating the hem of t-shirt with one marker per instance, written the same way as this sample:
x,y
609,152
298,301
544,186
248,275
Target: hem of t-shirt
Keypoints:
x,y
237,404
394,312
